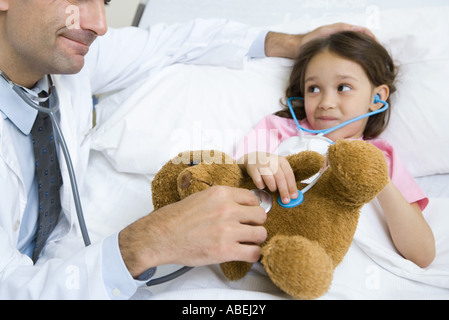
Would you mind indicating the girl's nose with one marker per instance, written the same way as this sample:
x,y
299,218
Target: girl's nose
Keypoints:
x,y
328,101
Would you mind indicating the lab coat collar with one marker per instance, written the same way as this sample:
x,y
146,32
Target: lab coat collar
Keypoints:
x,y
17,110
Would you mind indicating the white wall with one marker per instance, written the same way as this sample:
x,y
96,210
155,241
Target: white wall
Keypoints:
x,y
120,13
263,12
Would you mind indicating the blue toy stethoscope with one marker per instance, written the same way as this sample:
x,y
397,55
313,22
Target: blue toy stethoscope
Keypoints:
x,y
320,134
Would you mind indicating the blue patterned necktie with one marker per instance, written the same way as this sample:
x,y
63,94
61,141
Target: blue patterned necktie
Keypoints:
x,y
48,175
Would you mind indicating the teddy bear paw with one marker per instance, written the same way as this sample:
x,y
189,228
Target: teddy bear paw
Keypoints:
x,y
235,270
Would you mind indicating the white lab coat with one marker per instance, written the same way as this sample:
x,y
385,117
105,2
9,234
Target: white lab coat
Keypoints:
x,y
66,269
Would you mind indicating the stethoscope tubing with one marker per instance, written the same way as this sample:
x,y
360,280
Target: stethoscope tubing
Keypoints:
x,y
51,111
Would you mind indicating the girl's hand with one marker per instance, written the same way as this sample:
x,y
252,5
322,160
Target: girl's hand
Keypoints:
x,y
271,171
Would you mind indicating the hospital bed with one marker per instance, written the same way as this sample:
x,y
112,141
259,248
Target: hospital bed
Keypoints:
x,y
216,114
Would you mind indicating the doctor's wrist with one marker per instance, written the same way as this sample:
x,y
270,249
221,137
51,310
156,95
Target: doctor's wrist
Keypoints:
x,y
283,45
135,250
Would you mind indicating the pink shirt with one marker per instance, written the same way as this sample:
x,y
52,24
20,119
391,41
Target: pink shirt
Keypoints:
x,y
272,130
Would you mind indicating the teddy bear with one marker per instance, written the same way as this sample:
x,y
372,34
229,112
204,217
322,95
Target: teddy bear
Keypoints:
x,y
304,243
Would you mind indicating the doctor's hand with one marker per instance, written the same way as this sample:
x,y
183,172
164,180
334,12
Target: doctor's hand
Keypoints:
x,y
271,171
217,225
289,45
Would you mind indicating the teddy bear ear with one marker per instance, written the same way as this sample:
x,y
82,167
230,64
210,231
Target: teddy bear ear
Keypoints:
x,y
164,185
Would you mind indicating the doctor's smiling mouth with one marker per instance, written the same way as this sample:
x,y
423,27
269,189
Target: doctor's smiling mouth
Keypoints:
x,y
78,34
77,39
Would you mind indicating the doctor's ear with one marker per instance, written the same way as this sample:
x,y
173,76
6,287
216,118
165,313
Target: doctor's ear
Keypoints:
x,y
381,93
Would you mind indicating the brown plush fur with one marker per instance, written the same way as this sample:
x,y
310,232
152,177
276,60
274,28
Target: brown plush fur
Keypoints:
x,y
305,243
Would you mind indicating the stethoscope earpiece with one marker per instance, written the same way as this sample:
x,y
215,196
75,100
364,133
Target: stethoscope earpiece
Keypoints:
x,y
377,99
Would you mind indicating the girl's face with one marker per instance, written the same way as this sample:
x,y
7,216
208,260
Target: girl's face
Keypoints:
x,y
338,90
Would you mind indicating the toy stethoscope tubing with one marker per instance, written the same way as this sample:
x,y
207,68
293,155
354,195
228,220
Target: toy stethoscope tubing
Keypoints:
x,y
341,125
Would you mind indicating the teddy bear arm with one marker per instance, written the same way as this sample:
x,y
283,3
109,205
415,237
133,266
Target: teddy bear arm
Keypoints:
x,y
305,164
359,170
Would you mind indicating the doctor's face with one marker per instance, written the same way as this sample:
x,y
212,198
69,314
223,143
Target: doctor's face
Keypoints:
x,y
47,36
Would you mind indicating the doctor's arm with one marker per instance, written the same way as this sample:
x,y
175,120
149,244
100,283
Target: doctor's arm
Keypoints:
x,y
288,45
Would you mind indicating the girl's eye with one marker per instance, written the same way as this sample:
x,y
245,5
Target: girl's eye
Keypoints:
x,y
344,88
313,89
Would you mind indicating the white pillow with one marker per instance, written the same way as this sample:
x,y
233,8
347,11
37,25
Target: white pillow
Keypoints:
x,y
199,107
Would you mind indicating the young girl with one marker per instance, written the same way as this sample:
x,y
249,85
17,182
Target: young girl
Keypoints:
x,y
339,77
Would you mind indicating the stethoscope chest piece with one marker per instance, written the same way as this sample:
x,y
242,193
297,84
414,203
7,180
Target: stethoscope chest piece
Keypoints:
x,y
265,199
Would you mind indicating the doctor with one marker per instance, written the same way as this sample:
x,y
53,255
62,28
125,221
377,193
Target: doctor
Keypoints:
x,y
37,38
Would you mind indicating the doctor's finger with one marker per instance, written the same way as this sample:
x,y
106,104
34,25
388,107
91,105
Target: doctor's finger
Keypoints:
x,y
246,252
254,216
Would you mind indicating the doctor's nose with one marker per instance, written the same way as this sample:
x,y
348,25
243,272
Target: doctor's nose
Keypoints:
x,y
93,17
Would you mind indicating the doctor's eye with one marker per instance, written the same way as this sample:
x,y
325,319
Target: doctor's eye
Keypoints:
x,y
106,2
344,87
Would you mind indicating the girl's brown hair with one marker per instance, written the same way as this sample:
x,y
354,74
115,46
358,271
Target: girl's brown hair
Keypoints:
x,y
355,46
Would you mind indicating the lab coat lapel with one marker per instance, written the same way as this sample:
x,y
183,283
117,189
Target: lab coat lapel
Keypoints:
x,y
12,187
69,133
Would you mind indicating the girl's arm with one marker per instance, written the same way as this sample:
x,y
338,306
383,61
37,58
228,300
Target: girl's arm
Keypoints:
x,y
409,230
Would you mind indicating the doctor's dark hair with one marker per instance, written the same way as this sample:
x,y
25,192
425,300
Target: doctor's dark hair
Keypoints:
x,y
355,46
